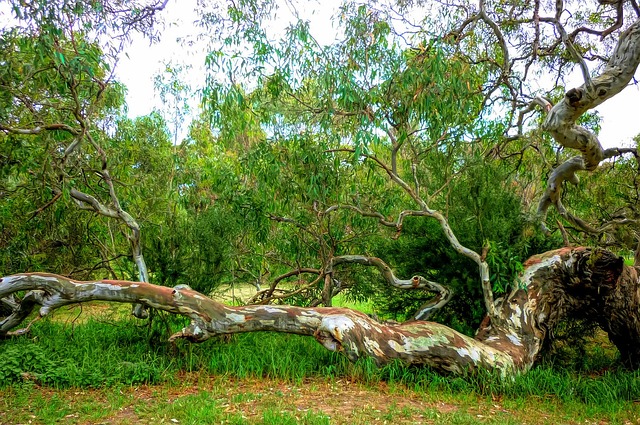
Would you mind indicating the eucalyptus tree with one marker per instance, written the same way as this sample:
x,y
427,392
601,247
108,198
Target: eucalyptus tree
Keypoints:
x,y
405,110
57,87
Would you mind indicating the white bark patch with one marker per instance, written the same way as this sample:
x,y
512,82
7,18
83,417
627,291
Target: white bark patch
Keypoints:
x,y
398,348
236,318
425,342
373,346
134,286
197,330
7,282
471,352
516,316
311,322
541,317
529,274
9,279
48,278
337,326
418,343
569,262
353,348
364,324
110,287
274,310
514,339
329,344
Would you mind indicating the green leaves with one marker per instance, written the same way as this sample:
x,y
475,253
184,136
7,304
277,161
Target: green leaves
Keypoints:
x,y
60,57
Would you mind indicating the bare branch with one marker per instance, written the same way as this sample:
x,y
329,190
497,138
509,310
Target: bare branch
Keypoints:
x,y
53,200
265,296
90,203
444,224
342,330
443,294
569,45
41,129
560,122
381,218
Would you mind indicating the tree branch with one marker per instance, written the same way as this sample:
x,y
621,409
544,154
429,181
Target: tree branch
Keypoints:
x,y
265,296
443,294
350,332
560,122
483,267
41,129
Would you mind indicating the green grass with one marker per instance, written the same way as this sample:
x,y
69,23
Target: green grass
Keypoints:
x,y
122,354
366,307
97,354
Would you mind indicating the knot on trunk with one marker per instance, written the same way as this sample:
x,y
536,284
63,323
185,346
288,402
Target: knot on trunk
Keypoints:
x,y
599,268
574,96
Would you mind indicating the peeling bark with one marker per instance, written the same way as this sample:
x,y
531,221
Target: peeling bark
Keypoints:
x,y
577,282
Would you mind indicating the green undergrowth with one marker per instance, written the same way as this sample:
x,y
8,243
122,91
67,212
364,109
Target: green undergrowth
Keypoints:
x,y
101,354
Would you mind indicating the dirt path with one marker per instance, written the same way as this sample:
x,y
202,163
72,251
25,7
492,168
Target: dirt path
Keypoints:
x,y
202,399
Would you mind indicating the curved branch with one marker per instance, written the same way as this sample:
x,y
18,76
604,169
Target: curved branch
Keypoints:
x,y
338,329
90,203
537,101
569,282
40,129
129,221
483,267
569,45
506,67
612,152
560,122
443,294
381,218
265,296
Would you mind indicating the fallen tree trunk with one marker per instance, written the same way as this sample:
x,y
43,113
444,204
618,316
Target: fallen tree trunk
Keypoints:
x,y
559,284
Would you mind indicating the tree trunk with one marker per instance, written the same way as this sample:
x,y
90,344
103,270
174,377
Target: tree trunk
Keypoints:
x,y
560,284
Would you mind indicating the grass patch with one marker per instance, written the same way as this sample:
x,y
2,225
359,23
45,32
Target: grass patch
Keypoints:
x,y
367,307
58,359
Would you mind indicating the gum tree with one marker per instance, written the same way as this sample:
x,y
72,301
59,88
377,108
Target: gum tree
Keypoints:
x,y
378,99
57,89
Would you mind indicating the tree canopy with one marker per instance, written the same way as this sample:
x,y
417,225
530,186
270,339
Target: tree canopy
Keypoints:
x,y
430,139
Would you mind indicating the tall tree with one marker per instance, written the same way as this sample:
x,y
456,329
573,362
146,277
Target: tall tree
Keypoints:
x,y
381,125
58,82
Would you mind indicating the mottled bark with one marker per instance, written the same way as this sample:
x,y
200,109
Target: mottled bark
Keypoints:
x,y
555,285
561,119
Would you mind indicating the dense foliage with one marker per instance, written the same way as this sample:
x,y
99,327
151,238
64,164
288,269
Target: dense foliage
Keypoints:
x,y
287,165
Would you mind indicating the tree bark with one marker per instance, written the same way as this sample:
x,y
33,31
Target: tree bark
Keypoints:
x,y
561,120
564,283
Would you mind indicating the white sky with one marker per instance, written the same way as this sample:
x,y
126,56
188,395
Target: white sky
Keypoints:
x,y
144,61
621,118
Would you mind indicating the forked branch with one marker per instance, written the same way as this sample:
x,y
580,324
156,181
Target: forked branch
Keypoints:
x,y
442,297
561,119
444,224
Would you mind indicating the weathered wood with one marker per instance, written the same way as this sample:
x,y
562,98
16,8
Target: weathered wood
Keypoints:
x,y
561,118
553,286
